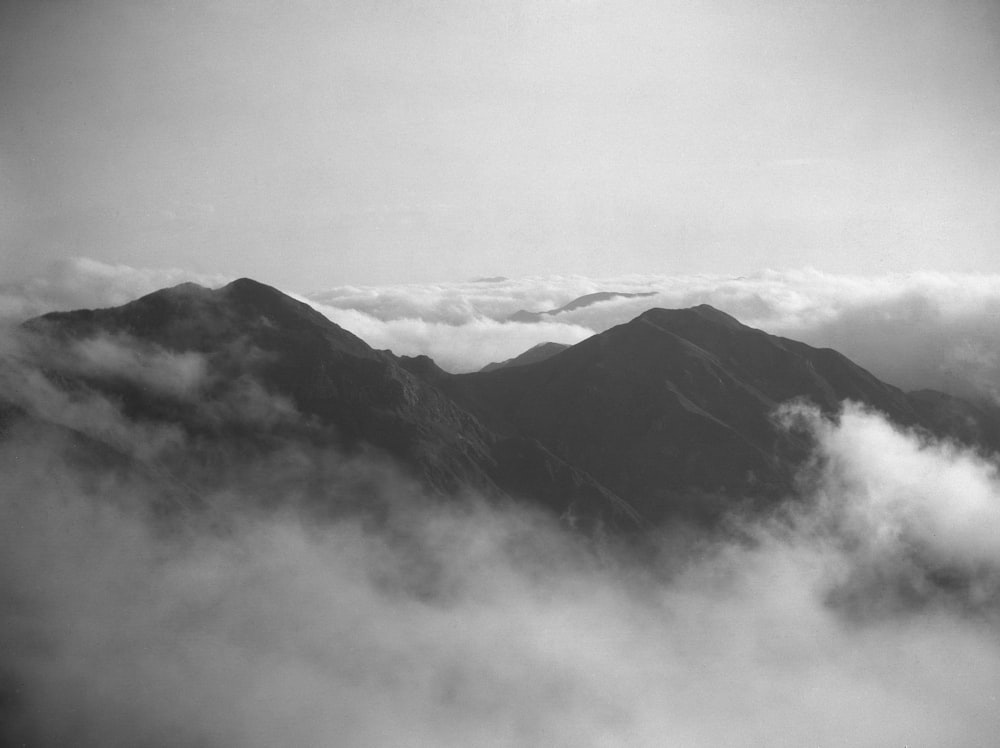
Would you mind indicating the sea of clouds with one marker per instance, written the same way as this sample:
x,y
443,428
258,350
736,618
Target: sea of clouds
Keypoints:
x,y
921,330
862,612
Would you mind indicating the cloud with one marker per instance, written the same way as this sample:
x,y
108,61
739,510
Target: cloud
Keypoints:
x,y
177,374
922,330
454,347
432,623
91,385
83,283
29,372
917,519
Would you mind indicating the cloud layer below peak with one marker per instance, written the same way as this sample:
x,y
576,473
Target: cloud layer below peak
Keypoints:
x,y
922,330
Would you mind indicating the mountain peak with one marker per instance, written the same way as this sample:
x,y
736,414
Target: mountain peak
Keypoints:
x,y
674,402
251,293
248,286
696,315
189,316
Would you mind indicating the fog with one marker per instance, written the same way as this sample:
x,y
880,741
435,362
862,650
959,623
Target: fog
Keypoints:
x,y
861,612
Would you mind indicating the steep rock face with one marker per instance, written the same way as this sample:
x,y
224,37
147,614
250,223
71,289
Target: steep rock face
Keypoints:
x,y
344,392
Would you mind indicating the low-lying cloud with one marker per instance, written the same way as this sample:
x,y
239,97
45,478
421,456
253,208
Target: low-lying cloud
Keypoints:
x,y
922,330
455,347
864,612
82,283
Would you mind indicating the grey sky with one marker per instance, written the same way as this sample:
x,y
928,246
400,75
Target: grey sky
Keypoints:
x,y
311,143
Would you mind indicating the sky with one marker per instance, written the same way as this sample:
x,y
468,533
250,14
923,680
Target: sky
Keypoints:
x,y
313,144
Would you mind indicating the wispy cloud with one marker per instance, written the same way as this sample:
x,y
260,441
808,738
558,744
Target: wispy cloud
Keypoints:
x,y
441,624
82,283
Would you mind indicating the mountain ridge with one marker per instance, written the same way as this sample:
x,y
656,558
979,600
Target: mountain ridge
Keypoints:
x,y
667,415
347,394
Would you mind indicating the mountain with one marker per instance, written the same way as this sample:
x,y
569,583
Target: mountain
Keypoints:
x,y
578,303
673,411
340,393
670,415
534,354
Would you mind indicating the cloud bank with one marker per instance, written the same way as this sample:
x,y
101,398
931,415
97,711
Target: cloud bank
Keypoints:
x,y
862,613
83,283
921,330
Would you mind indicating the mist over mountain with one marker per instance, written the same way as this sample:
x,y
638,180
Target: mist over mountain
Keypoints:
x,y
229,521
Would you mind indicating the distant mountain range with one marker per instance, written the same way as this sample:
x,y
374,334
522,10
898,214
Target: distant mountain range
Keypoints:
x,y
669,415
533,355
578,303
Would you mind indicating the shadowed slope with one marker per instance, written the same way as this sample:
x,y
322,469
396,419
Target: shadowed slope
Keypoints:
x,y
343,392
674,410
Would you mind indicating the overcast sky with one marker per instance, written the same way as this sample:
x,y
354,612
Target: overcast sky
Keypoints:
x,y
309,143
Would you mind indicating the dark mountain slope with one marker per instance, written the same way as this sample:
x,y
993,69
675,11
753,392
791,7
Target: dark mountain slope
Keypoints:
x,y
342,392
673,410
